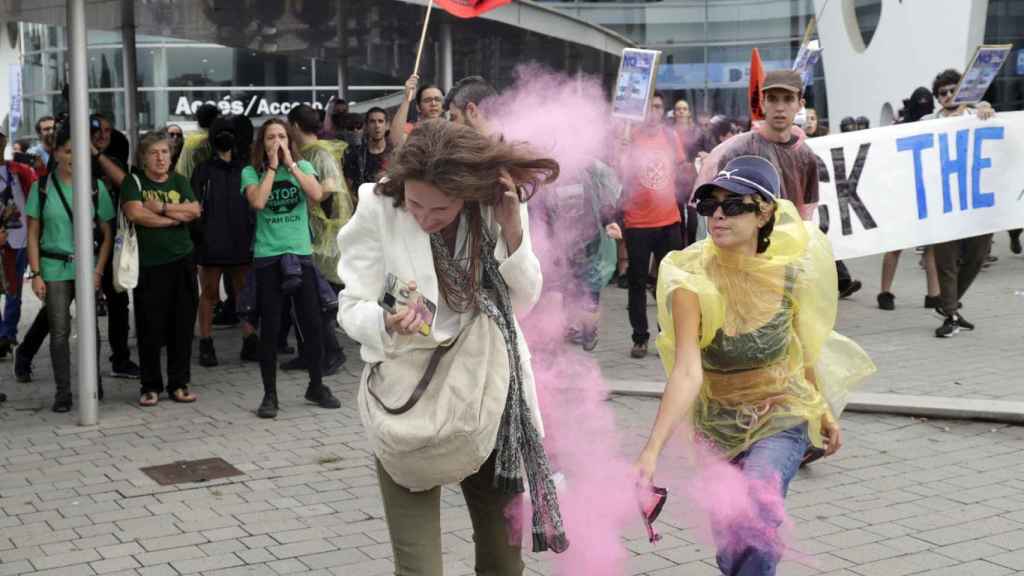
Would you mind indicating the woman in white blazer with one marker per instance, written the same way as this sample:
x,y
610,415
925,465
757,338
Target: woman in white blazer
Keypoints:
x,y
448,190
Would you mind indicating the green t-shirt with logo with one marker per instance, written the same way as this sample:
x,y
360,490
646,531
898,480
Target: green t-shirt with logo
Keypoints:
x,y
160,245
282,226
58,231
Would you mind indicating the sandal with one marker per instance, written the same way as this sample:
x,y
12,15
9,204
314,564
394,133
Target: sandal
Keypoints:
x,y
183,396
149,399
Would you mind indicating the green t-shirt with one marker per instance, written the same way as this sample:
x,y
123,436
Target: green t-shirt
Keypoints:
x,y
160,245
282,227
58,231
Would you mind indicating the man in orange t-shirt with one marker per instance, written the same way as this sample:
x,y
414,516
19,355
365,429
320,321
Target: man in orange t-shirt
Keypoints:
x,y
649,163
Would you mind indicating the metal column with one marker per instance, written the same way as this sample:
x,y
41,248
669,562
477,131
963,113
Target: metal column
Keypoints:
x,y
447,74
85,295
131,92
342,50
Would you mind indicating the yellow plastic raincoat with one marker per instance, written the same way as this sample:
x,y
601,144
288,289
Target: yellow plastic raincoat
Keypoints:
x,y
771,359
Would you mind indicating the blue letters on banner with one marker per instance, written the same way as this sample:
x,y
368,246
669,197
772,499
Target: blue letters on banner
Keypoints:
x,y
956,166
917,144
981,199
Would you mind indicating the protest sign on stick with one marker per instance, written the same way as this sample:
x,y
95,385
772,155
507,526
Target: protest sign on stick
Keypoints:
x,y
635,84
981,72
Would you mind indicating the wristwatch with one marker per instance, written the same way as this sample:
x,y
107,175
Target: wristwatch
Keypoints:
x,y
32,274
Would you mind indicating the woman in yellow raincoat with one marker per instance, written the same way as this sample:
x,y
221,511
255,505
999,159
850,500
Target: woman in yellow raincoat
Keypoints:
x,y
747,343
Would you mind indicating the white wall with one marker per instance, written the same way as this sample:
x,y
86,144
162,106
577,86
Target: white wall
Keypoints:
x,y
915,40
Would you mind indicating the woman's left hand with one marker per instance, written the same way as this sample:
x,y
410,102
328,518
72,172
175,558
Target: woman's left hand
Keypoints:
x,y
286,155
506,210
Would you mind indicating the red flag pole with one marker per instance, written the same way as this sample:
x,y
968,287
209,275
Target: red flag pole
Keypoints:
x,y
423,37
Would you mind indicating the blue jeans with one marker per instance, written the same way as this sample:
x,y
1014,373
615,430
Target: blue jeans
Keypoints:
x,y
12,304
773,459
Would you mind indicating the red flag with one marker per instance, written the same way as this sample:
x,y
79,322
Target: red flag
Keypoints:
x,y
756,82
470,8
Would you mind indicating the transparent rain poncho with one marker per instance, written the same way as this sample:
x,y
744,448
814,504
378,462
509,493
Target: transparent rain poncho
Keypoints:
x,y
771,359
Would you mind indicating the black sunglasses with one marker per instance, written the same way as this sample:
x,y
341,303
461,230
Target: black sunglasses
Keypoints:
x,y
730,207
946,92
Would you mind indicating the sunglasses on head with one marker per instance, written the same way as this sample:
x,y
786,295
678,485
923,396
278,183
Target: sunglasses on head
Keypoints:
x,y
730,207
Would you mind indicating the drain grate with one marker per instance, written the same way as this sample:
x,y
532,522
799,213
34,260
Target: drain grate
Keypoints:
x,y
187,471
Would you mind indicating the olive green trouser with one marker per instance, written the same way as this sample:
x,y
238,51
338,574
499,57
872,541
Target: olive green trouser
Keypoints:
x,y
414,521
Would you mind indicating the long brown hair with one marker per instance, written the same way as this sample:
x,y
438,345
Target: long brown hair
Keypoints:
x,y
259,149
464,164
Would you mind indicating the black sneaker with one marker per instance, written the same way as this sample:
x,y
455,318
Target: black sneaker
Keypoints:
x,y
22,368
963,323
334,363
1015,246
623,281
207,354
285,349
268,408
62,404
950,327
3,397
850,289
932,302
886,301
322,397
297,363
251,348
126,369
639,350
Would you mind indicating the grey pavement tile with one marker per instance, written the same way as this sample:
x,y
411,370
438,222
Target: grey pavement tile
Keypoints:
x,y
976,568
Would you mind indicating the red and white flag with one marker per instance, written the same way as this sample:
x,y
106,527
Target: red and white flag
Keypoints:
x,y
469,8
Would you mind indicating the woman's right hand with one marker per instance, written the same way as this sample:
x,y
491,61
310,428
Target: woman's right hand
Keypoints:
x,y
39,287
645,466
273,158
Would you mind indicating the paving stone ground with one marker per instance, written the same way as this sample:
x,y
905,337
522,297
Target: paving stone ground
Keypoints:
x,y
904,496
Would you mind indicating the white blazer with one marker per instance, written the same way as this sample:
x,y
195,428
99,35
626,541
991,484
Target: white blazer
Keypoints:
x,y
381,239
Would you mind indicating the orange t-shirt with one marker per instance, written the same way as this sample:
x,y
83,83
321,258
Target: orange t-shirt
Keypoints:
x,y
651,166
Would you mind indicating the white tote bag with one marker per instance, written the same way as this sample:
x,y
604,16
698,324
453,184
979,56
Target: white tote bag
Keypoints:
x,y
126,252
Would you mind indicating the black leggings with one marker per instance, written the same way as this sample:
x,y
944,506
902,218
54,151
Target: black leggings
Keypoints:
x,y
306,303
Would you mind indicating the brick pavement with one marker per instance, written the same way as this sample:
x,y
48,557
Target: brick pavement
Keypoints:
x,y
904,496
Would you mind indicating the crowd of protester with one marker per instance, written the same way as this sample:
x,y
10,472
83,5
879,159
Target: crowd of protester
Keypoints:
x,y
238,226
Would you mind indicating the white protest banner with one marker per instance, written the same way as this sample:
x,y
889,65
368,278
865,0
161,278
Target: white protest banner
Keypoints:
x,y
920,183
635,84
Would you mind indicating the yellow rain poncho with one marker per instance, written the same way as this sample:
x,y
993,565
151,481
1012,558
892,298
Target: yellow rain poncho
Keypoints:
x,y
764,321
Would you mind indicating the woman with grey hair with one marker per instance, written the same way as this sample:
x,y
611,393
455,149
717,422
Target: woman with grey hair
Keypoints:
x,y
160,203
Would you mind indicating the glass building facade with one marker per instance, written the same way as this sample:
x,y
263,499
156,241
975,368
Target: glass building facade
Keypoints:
x,y
283,53
1005,25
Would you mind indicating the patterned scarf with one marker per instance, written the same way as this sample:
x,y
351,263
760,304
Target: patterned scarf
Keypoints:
x,y
519,444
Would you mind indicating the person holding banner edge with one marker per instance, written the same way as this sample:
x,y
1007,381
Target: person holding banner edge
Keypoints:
x,y
958,261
